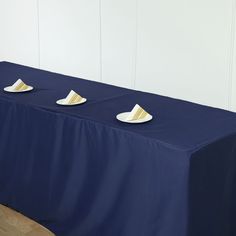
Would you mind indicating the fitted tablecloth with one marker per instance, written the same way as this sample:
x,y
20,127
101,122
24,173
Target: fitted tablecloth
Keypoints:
x,y
80,172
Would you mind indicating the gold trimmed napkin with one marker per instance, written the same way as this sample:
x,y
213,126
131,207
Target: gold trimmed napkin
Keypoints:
x,y
137,113
19,85
72,98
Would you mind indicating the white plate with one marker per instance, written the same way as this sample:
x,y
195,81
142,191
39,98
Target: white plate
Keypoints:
x,y
123,116
62,102
9,89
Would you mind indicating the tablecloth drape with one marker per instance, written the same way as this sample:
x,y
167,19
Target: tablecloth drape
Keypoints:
x,y
80,172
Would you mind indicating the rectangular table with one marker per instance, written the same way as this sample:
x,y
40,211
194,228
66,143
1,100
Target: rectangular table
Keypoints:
x,y
80,172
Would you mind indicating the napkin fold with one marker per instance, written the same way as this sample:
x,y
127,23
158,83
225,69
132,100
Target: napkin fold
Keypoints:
x,y
19,85
72,98
137,113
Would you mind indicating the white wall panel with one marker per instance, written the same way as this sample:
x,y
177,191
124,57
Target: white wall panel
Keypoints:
x,y
118,41
183,49
19,31
70,37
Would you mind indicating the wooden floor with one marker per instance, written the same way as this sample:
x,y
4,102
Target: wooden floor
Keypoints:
x,y
13,223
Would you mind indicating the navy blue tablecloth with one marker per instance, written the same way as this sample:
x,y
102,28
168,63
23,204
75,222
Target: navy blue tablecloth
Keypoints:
x,y
80,172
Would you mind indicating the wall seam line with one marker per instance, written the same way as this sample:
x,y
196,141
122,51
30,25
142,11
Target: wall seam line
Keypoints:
x,y
136,45
39,49
231,55
100,39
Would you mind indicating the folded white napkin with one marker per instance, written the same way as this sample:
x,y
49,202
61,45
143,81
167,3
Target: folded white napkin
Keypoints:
x,y
72,98
137,113
19,85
